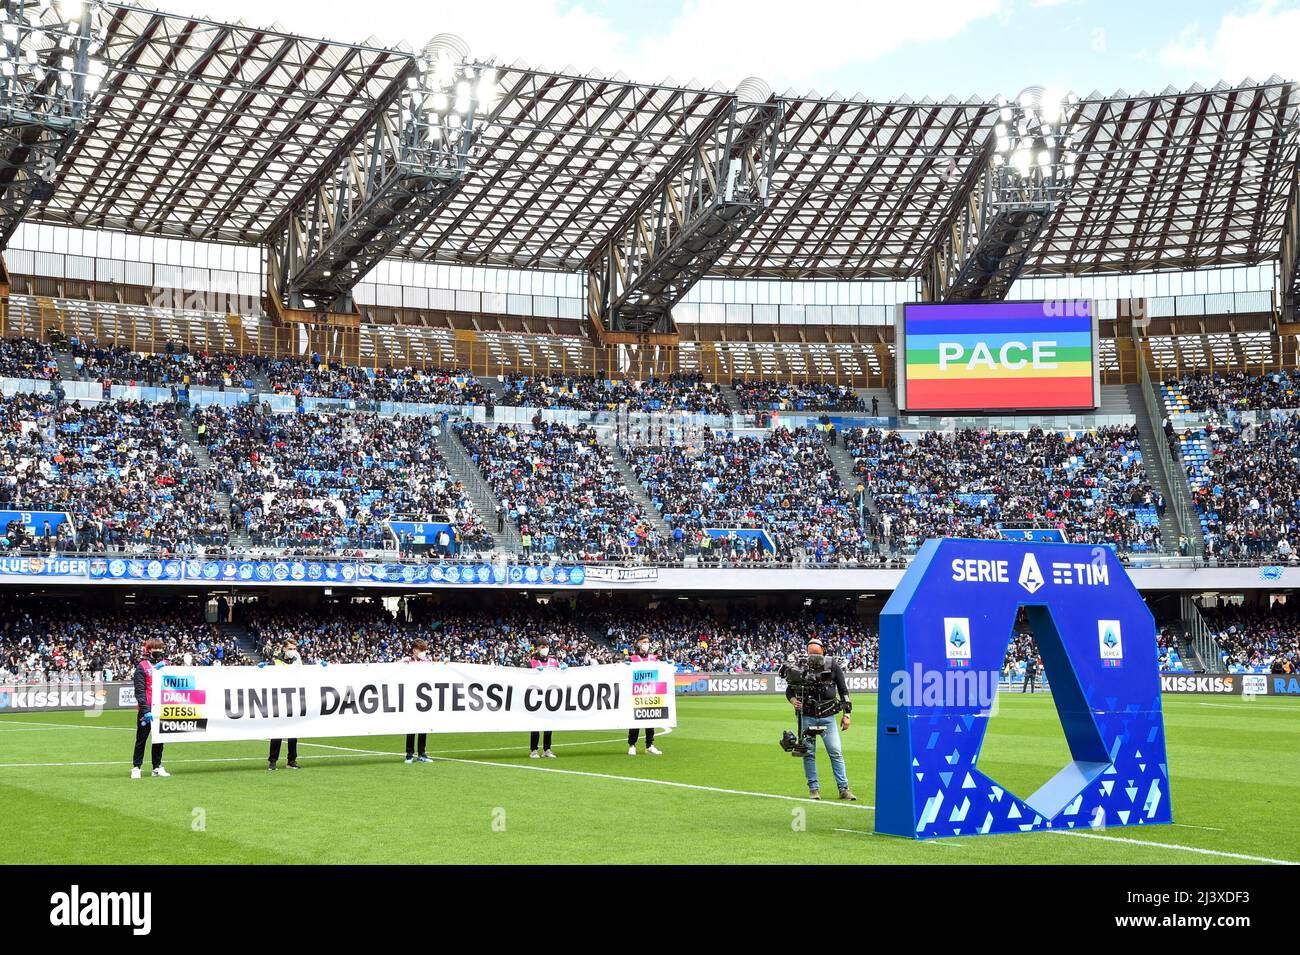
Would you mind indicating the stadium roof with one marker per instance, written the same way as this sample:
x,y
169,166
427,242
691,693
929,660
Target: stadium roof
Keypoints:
x,y
206,131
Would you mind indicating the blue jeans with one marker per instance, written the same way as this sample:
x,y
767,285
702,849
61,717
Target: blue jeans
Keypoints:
x,y
831,739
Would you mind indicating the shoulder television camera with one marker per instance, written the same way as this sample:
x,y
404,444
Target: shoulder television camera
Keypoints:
x,y
808,676
808,671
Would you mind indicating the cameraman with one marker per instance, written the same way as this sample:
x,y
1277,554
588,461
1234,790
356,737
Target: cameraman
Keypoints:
x,y
816,707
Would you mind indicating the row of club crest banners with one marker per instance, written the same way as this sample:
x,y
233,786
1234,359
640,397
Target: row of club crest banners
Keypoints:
x,y
286,571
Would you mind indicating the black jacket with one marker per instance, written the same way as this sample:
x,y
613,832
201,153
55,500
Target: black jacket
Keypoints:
x,y
142,680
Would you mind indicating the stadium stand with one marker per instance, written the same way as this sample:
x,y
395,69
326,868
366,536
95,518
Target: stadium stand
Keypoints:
x,y
688,394
969,483
59,456
493,636
316,482
176,367
560,486
1237,391
314,378
736,643
45,641
122,469
772,395
27,358
1246,483
782,482
1256,639
39,640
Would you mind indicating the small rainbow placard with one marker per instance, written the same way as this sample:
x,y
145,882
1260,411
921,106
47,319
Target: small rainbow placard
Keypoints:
x,y
649,692
182,705
998,356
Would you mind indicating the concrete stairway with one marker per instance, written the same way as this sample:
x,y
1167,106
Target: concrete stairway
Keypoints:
x,y
888,408
238,536
243,641
494,387
1168,484
844,469
639,493
731,398
1118,400
67,366
462,468
843,461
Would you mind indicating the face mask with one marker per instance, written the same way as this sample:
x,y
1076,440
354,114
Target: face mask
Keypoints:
x,y
543,652
155,655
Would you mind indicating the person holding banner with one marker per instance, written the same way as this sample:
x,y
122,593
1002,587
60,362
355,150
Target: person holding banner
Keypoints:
x,y
289,657
642,654
419,654
142,681
541,659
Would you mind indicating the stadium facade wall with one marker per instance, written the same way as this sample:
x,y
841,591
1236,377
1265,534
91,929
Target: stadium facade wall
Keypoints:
x,y
116,569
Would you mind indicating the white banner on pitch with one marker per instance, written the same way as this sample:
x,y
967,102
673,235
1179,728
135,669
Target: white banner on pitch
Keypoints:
x,y
196,704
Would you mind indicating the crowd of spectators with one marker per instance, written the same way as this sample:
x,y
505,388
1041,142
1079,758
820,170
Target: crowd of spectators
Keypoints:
x,y
782,482
1240,391
27,358
315,482
970,483
1256,639
755,643
1247,491
366,632
49,642
686,394
175,367
122,469
505,636
561,487
771,395
317,378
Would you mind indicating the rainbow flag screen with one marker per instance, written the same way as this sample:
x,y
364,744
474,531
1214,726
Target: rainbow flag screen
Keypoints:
x,y
998,356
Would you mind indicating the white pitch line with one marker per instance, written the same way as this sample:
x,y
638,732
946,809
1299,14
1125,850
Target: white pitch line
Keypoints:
x,y
614,776
69,726
1246,706
1173,845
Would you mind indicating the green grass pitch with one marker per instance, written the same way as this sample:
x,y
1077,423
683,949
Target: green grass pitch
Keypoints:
x,y
722,792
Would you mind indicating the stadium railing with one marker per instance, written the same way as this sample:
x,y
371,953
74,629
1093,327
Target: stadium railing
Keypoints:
x,y
1175,477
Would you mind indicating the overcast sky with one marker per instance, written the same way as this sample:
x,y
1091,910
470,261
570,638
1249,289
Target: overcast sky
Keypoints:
x,y
882,49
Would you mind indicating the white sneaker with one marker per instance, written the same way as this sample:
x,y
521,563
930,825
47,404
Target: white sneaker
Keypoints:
x,y
534,755
161,772
135,772
654,750
548,754
631,750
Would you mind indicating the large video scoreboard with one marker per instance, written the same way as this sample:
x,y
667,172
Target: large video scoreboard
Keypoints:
x,y
997,357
